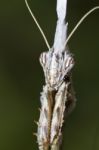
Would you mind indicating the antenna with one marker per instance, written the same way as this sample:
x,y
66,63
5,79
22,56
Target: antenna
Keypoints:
x,y
79,23
36,22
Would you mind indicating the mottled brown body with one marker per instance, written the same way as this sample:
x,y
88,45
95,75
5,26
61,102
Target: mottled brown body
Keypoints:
x,y
56,99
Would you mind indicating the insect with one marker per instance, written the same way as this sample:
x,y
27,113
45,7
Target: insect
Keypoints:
x,y
58,95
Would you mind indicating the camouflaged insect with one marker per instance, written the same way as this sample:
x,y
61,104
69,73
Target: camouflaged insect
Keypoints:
x,y
57,96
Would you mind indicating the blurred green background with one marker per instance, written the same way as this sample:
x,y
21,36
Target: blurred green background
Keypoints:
x,y
21,76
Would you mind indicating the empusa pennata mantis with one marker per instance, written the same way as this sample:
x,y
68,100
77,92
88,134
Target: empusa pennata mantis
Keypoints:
x,y
57,96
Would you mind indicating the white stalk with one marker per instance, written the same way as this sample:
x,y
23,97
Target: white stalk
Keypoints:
x,y
61,27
